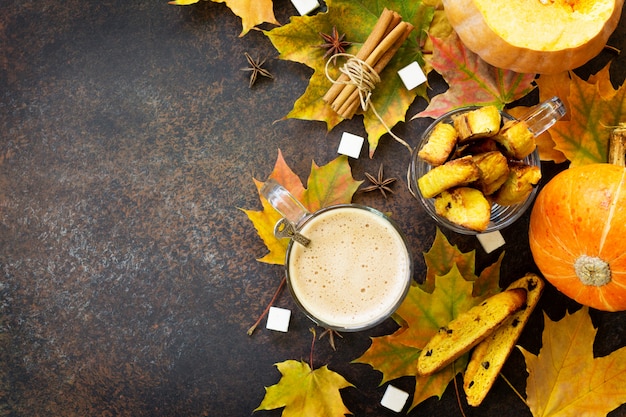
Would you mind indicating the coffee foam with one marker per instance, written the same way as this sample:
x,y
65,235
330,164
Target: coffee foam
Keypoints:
x,y
355,270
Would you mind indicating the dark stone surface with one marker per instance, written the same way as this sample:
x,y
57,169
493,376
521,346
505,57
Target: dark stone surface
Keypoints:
x,y
129,141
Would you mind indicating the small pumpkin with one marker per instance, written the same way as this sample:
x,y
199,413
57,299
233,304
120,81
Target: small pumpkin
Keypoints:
x,y
534,36
577,234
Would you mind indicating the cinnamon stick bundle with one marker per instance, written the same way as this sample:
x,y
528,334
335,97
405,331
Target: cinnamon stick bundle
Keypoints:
x,y
387,36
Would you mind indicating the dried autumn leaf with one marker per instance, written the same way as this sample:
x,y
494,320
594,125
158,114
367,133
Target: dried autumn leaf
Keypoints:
x,y
251,12
297,41
472,81
565,380
455,290
306,393
327,185
594,106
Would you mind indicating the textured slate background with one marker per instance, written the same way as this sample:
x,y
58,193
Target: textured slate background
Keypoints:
x,y
128,143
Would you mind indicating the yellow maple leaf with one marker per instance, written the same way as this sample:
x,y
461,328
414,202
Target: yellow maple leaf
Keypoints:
x,y
306,393
251,12
565,380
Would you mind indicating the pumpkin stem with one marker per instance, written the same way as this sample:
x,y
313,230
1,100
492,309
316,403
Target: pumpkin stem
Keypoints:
x,y
592,270
617,146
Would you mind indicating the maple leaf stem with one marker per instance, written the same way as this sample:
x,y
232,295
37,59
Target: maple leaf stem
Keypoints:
x,y
458,397
514,390
312,346
267,309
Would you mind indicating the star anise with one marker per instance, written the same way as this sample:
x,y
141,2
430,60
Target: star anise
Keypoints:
x,y
379,183
255,68
334,44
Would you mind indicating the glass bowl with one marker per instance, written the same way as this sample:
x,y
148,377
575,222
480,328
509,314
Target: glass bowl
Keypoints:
x,y
501,216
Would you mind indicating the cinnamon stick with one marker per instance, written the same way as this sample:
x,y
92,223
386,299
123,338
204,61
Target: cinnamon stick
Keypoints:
x,y
381,49
379,31
384,60
351,104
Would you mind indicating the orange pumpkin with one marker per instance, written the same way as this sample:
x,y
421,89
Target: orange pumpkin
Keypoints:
x,y
534,36
578,234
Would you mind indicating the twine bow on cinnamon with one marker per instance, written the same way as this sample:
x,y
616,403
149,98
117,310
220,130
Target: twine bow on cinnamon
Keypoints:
x,y
360,74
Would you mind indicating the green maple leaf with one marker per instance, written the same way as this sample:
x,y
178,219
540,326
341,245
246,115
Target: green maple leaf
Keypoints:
x,y
423,312
472,81
251,12
298,40
306,393
327,185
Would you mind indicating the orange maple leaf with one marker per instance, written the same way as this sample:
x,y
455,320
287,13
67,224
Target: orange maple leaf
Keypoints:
x,y
565,380
593,106
327,185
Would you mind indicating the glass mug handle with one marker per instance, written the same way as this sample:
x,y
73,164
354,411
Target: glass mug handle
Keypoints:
x,y
544,115
292,210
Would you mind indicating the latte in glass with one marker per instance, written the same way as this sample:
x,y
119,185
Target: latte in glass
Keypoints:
x,y
354,273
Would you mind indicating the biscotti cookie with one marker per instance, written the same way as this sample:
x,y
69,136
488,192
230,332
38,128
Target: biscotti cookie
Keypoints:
x,y
468,329
489,355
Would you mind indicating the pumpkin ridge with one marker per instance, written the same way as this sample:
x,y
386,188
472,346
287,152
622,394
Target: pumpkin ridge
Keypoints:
x,y
605,301
613,207
551,255
619,284
621,258
571,253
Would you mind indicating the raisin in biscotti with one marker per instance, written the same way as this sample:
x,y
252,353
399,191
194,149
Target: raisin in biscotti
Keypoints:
x,y
468,329
489,355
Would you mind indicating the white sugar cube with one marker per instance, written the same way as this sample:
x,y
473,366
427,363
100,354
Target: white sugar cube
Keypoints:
x,y
350,145
278,319
491,241
305,6
394,399
412,75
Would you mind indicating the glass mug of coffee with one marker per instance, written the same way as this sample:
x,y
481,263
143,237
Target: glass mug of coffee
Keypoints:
x,y
348,266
